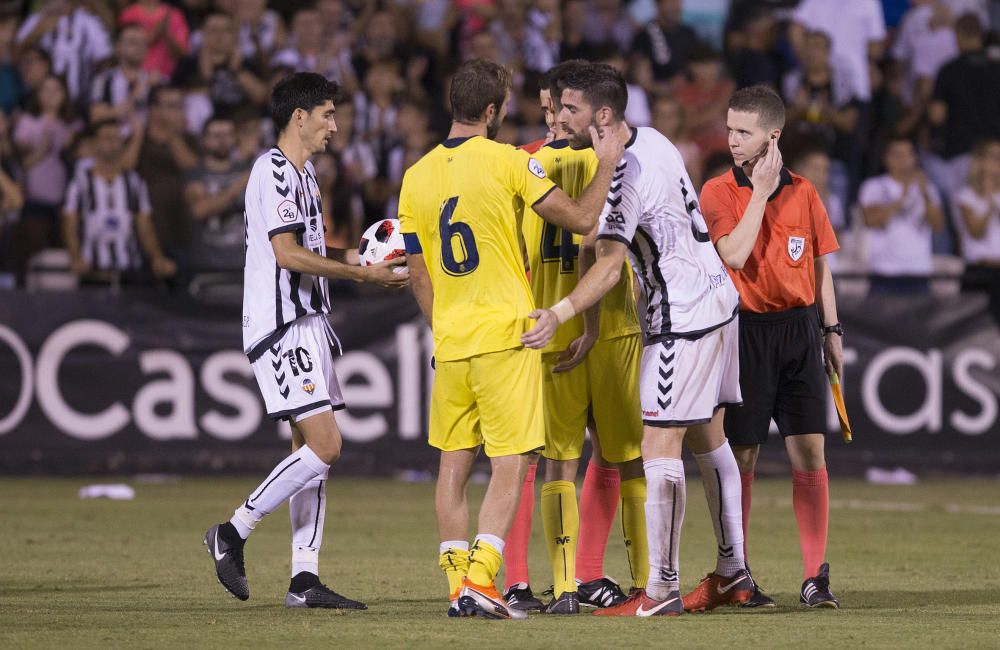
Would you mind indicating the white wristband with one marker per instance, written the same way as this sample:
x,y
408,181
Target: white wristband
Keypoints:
x,y
563,310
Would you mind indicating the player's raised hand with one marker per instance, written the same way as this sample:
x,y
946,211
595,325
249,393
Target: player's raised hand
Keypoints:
x,y
539,336
385,274
609,145
575,353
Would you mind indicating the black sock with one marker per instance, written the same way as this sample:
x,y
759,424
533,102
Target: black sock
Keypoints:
x,y
303,580
230,535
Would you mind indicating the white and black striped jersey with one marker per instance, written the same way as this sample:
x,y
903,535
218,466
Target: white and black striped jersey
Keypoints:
x,y
112,87
76,44
280,198
107,211
653,209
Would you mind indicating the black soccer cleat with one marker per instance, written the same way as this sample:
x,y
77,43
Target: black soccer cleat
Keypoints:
x,y
758,599
568,602
520,596
816,591
603,592
321,596
226,549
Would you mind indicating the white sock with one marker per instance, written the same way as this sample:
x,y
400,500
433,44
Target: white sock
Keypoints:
x,y
492,540
721,477
460,544
665,500
307,510
286,479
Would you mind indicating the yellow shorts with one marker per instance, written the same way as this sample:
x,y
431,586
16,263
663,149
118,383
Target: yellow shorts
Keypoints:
x,y
494,400
606,384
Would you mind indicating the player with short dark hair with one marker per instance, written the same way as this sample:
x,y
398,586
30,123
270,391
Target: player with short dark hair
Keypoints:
x,y
770,227
288,339
460,208
689,370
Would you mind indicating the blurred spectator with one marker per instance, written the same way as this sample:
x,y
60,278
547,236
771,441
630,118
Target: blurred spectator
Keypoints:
x,y
824,110
966,104
121,92
33,66
261,31
74,38
213,193
637,110
666,42
166,32
357,164
668,119
751,49
435,20
900,210
977,221
41,135
219,74
813,164
925,42
415,141
10,82
705,97
167,154
107,213
574,17
522,42
608,23
307,51
857,34
11,199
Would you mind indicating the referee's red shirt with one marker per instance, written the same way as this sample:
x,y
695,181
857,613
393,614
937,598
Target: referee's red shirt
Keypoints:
x,y
779,274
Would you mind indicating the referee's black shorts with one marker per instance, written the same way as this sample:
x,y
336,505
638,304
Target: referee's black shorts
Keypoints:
x,y
781,376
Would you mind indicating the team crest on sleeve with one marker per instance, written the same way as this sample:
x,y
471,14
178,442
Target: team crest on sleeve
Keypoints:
x,y
287,211
796,246
535,168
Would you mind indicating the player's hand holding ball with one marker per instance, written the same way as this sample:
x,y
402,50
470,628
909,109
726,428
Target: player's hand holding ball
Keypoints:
x,y
383,253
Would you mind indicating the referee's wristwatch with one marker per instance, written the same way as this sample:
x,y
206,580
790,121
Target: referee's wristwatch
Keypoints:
x,y
836,328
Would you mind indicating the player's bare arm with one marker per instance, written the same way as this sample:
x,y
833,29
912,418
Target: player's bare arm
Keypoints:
x,y
293,257
833,349
580,216
601,277
420,283
735,248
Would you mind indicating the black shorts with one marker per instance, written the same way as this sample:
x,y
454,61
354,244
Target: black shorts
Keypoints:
x,y
781,376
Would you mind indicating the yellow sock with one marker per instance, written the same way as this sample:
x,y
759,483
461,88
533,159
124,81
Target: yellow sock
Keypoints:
x,y
633,513
561,523
484,563
454,562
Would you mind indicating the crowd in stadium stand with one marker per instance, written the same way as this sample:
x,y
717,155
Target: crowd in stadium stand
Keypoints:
x,y
893,113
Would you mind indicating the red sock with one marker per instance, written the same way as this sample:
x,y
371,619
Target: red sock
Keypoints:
x,y
598,502
747,480
515,551
811,500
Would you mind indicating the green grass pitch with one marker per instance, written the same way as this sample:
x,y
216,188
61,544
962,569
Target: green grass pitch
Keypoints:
x,y
913,567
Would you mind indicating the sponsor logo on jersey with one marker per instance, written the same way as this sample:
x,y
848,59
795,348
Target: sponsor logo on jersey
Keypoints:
x,y
651,414
535,168
308,385
796,246
287,211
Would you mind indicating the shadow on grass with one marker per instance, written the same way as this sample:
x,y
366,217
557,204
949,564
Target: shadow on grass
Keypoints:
x,y
788,604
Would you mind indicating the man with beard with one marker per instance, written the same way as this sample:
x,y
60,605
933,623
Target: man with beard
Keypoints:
x,y
461,206
690,367
214,197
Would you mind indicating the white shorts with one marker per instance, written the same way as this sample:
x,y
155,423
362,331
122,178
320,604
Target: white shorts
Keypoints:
x,y
684,381
295,372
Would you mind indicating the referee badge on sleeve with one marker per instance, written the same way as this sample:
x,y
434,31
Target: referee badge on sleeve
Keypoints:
x,y
796,246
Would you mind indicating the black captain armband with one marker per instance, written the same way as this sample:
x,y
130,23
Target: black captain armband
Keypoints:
x,y
836,328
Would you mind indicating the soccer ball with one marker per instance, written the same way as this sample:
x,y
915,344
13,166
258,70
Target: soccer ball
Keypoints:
x,y
382,241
